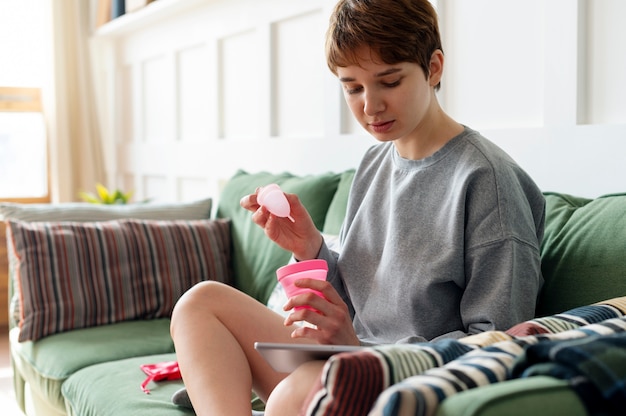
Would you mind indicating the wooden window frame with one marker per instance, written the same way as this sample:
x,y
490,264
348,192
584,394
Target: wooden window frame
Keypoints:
x,y
23,99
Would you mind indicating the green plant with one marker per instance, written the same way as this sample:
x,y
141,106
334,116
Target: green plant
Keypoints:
x,y
104,196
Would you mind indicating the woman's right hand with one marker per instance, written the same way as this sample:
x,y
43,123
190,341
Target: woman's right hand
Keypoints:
x,y
300,237
328,314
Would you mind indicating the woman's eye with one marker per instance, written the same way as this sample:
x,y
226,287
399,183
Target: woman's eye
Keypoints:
x,y
391,84
353,90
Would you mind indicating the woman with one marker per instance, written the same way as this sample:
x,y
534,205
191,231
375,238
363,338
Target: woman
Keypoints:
x,y
440,240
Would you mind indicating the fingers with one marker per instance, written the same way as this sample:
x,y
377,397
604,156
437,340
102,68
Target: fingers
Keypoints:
x,y
316,310
261,214
328,291
297,209
300,237
250,202
325,329
329,316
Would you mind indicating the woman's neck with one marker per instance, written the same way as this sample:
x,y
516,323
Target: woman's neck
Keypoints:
x,y
437,130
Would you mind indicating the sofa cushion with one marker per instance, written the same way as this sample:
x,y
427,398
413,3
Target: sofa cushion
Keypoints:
x,y
594,365
256,257
80,211
338,206
46,364
113,388
89,392
75,275
539,395
582,252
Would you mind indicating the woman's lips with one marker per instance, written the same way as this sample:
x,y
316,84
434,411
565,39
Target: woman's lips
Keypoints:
x,y
381,127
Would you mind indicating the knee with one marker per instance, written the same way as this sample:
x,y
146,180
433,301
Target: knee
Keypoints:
x,y
199,299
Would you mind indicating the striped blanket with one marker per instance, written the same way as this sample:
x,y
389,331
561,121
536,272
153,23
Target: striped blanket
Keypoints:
x,y
595,366
415,379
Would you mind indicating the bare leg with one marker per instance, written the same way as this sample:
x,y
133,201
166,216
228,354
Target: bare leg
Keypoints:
x,y
214,328
290,394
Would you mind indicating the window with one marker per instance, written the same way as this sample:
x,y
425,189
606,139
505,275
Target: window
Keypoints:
x,y
23,147
23,144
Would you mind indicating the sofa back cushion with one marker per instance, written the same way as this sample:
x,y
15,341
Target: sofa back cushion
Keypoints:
x,y
72,275
337,209
256,257
82,212
583,251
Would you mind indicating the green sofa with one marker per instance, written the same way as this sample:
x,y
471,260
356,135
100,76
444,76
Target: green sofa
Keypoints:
x,y
94,368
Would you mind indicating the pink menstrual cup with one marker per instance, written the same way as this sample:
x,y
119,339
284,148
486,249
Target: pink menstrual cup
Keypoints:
x,y
306,269
273,198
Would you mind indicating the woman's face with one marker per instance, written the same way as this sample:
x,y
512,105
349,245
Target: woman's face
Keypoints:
x,y
390,101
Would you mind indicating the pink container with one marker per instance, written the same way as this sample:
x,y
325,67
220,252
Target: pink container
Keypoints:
x,y
306,269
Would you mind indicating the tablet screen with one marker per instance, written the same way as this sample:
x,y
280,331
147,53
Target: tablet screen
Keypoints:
x,y
287,357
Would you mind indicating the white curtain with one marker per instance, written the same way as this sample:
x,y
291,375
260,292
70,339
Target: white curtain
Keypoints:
x,y
76,155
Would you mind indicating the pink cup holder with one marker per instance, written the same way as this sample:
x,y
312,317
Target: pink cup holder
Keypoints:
x,y
307,269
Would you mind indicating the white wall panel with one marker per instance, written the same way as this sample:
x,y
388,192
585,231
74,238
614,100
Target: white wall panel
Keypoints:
x,y
349,124
564,63
586,160
494,62
239,80
154,188
189,189
194,92
297,74
607,61
125,106
158,104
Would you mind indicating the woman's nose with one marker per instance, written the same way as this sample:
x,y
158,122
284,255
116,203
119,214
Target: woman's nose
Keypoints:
x,y
373,104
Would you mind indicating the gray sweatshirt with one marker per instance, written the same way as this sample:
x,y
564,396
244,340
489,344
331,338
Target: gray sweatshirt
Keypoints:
x,y
442,247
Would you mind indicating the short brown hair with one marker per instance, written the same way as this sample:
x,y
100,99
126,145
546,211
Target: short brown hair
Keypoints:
x,y
397,30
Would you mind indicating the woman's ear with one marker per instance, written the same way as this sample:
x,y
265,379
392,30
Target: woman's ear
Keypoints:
x,y
436,68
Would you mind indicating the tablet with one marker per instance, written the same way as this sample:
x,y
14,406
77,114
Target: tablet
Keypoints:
x,y
287,357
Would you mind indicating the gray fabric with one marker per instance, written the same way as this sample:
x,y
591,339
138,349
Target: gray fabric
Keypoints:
x,y
181,398
440,247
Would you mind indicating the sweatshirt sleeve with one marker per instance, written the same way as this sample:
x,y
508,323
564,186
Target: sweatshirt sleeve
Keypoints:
x,y
504,279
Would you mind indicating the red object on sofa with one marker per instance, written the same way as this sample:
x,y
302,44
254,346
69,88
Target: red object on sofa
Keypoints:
x,y
160,371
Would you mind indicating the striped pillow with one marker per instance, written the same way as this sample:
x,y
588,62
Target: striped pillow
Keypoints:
x,y
572,319
351,381
85,212
74,275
